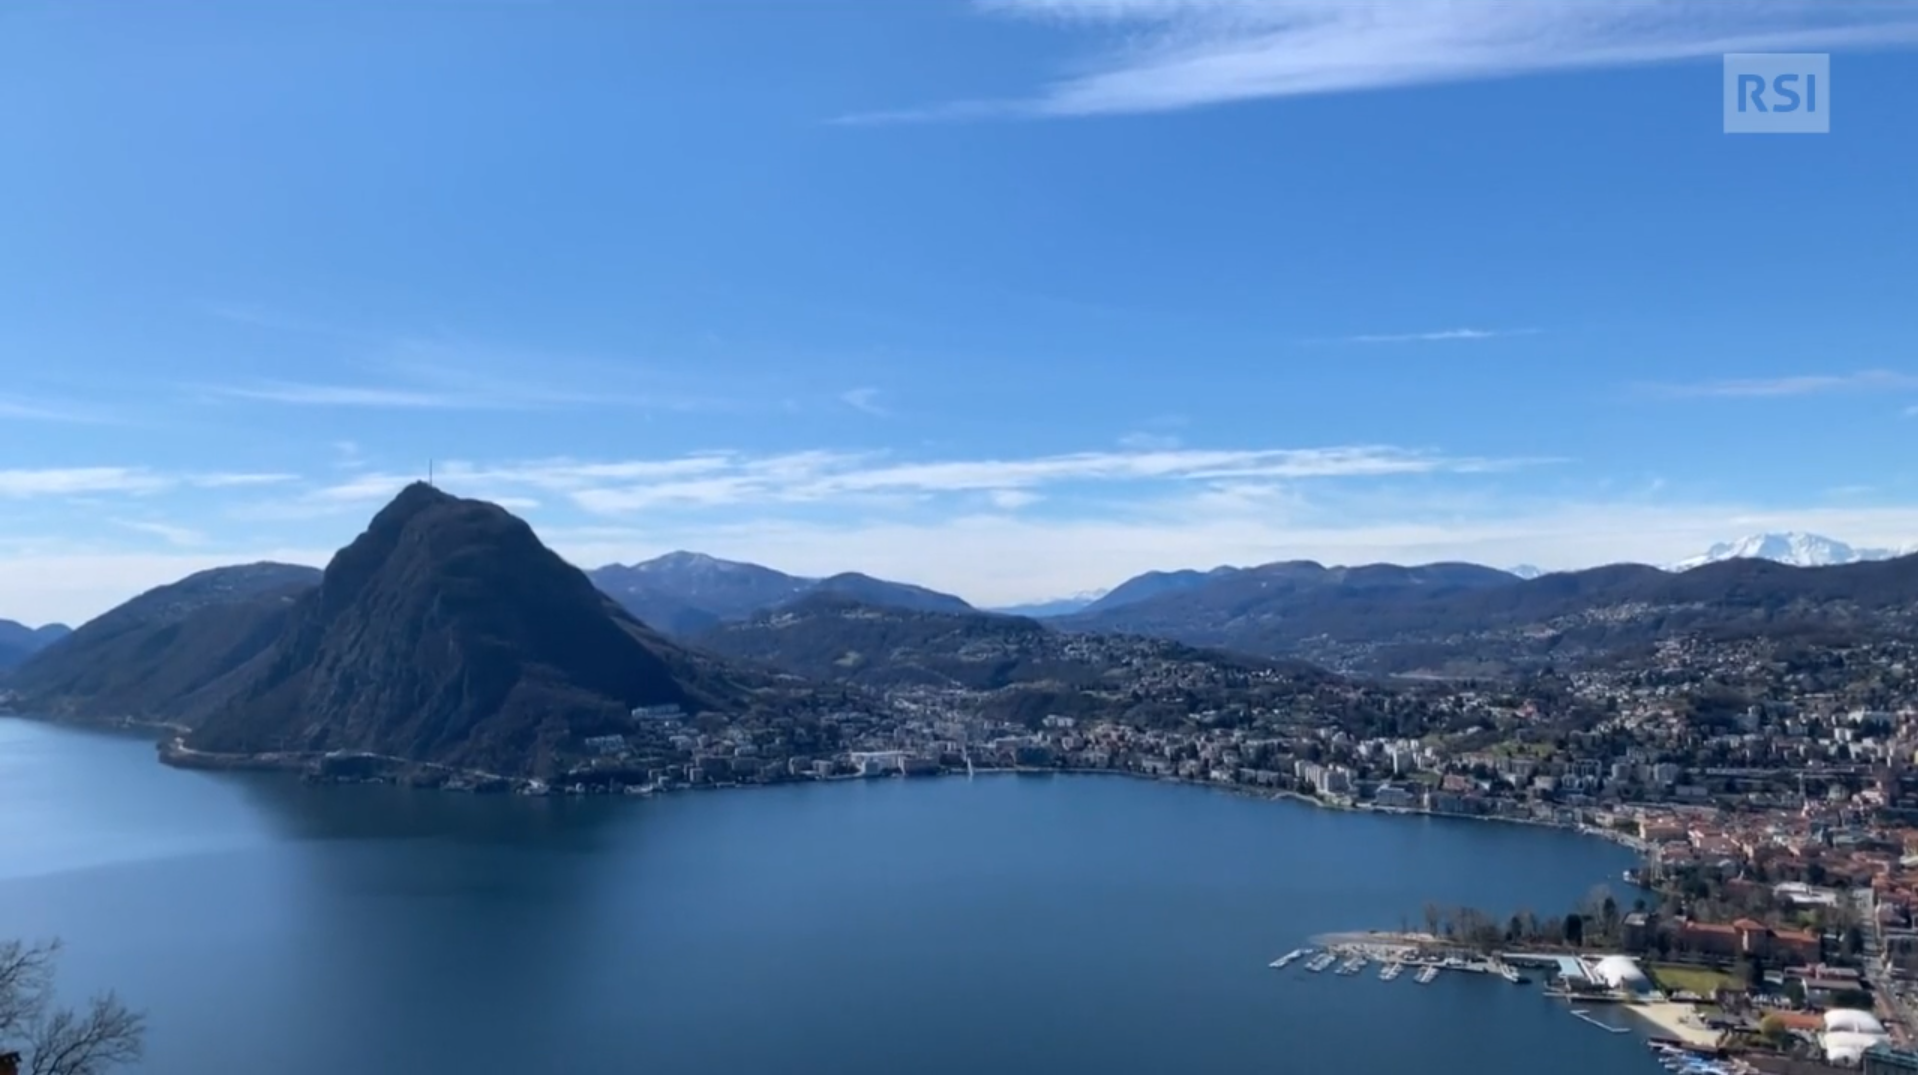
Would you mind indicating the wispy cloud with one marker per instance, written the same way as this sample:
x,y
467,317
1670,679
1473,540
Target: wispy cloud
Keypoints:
x,y
19,408
239,480
1012,499
1142,441
90,481
79,481
821,477
450,391
865,399
1164,55
337,395
1775,387
183,536
1432,337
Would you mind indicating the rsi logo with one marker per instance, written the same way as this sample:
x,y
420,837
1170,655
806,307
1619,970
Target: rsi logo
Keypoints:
x,y
1784,88
1777,93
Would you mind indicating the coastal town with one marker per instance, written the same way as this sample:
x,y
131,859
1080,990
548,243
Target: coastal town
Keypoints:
x,y
1772,917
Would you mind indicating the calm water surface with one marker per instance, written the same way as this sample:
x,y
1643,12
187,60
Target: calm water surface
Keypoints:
x,y
1001,925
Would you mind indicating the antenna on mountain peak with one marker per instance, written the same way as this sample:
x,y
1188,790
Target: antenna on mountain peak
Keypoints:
x,y
429,472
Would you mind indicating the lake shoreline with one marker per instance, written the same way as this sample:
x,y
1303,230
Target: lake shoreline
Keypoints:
x,y
174,753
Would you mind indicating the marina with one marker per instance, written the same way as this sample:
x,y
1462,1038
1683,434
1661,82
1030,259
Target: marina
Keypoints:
x,y
1581,980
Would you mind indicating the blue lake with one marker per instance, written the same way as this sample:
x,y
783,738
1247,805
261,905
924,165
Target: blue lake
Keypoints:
x,y
995,925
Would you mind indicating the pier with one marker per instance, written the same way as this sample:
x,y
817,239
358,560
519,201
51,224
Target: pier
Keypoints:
x,y
1580,1013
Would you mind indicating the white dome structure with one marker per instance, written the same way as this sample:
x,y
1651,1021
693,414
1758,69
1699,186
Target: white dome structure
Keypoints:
x,y
1853,1020
1620,972
1849,1046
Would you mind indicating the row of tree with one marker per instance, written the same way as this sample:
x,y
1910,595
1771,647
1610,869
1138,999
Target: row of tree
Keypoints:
x,y
1595,920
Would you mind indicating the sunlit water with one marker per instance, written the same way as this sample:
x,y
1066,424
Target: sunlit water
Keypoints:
x,y
996,925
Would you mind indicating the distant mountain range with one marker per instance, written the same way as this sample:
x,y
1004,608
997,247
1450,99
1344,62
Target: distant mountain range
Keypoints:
x,y
1790,547
448,634
1443,618
1025,670
18,641
687,593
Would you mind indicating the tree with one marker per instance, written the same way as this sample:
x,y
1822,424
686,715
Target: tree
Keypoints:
x,y
1574,930
1772,1028
53,1040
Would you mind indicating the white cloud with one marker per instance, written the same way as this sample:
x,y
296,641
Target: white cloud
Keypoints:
x,y
985,547
239,480
1806,385
19,408
1437,336
865,399
92,481
332,395
184,536
1150,442
727,479
79,481
1165,55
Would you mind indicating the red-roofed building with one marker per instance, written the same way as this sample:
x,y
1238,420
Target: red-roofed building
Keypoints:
x,y
1747,937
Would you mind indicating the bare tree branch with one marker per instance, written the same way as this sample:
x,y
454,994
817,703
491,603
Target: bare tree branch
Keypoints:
x,y
68,1044
60,1041
26,985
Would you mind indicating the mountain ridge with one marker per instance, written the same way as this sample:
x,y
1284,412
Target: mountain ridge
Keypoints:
x,y
686,593
167,653
19,642
1794,547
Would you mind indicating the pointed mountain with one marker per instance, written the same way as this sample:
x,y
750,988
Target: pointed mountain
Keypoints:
x,y
166,655
683,593
447,633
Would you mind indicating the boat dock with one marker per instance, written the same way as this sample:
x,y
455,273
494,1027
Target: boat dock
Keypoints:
x,y
1580,1013
1287,959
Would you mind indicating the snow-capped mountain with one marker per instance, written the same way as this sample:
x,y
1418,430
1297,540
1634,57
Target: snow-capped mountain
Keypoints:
x,y
1790,547
1525,571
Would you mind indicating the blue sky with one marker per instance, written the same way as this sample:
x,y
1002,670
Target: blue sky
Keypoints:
x,y
1013,298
